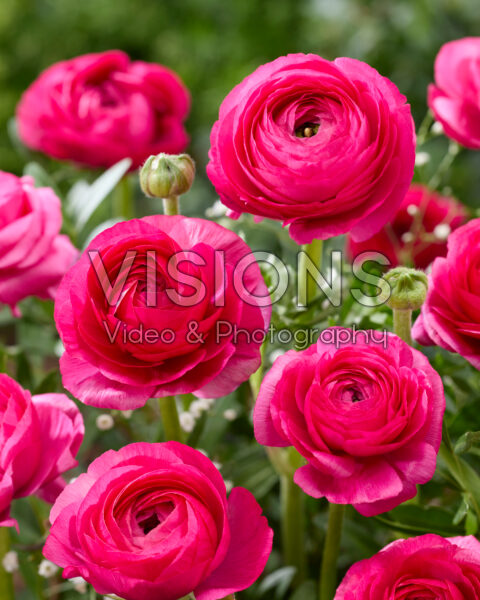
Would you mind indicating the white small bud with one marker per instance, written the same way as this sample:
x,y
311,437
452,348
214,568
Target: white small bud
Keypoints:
x,y
105,422
79,584
442,231
412,210
10,561
408,237
197,407
216,210
47,569
228,485
217,465
422,158
230,414
127,414
437,128
187,421
204,452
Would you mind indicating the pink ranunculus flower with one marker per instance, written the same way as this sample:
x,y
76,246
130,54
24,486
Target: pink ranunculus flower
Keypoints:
x,y
428,566
153,521
450,316
183,314
411,237
326,147
39,439
455,97
96,109
33,256
364,409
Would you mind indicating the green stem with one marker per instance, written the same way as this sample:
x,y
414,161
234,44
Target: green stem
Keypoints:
x,y
171,206
307,286
424,128
446,163
328,573
293,526
402,324
6,580
171,422
124,204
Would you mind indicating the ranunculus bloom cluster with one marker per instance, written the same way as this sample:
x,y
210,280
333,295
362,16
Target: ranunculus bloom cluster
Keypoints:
x,y
326,147
455,97
367,418
161,306
99,108
428,566
153,521
39,439
415,236
450,316
33,256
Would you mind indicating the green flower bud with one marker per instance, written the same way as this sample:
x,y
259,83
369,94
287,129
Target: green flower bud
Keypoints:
x,y
409,288
167,175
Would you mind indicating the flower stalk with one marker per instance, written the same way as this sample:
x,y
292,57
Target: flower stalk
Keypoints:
x,y
307,288
293,526
6,579
328,572
170,419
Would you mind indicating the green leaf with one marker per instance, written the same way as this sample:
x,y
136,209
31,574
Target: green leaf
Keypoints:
x,y
467,441
84,199
418,520
280,580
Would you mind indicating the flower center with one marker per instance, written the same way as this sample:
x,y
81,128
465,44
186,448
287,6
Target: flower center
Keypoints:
x,y
149,523
151,518
307,130
352,395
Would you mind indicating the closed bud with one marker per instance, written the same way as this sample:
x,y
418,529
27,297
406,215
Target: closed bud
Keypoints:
x,y
167,175
409,288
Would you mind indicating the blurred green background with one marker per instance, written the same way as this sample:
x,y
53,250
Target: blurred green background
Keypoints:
x,y
213,44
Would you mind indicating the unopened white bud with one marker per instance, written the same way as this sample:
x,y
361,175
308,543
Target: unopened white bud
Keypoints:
x,y
412,210
187,421
408,237
422,158
228,485
230,414
10,562
437,128
47,569
197,407
442,231
105,422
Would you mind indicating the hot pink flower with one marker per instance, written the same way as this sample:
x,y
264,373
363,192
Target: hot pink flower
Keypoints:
x,y
326,147
450,316
153,521
367,418
39,438
33,256
455,97
420,213
428,566
99,108
172,325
